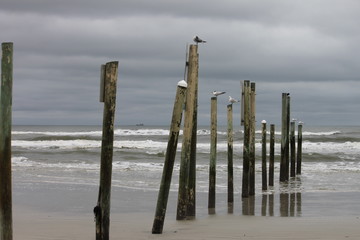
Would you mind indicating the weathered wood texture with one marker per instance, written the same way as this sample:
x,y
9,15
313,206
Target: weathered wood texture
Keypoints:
x,y
103,207
252,140
212,169
183,198
246,145
263,157
230,140
299,150
6,229
272,155
284,173
169,161
292,149
191,208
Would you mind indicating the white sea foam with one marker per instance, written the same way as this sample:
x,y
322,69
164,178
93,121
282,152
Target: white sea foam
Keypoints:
x,y
117,132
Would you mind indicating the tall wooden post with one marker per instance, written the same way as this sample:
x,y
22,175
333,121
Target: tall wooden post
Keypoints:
x,y
169,158
292,149
299,149
191,208
6,231
246,145
183,194
272,155
102,210
284,139
212,169
252,140
230,156
263,162
287,146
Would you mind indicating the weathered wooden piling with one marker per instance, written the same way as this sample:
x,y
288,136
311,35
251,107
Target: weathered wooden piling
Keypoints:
x,y
292,149
272,155
246,144
287,147
230,139
183,193
252,140
263,155
284,139
6,229
212,169
102,210
191,208
299,149
169,159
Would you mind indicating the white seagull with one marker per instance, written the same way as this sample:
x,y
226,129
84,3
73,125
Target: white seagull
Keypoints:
x,y
216,93
233,100
198,40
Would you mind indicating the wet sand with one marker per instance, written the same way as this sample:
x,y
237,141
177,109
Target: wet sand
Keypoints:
x,y
37,225
58,213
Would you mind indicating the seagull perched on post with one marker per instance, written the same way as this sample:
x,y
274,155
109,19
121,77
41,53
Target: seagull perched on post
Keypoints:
x,y
216,93
198,40
233,100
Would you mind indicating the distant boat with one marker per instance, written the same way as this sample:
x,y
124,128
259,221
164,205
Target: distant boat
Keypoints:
x,y
139,124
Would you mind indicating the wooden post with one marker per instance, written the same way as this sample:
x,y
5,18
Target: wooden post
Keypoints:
x,y
191,208
263,162
183,194
272,155
169,158
230,156
102,210
284,139
292,149
212,169
246,145
299,149
287,145
6,231
252,140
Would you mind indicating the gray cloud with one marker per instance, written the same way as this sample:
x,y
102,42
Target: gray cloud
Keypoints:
x,y
307,48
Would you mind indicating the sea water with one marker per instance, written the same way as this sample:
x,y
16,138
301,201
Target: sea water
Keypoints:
x,y
53,159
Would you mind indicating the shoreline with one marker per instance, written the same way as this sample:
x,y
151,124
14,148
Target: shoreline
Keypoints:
x,y
330,215
29,224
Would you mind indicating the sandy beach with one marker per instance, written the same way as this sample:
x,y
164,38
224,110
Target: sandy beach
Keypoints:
x,y
36,225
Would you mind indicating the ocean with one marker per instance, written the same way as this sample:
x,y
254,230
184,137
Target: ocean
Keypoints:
x,y
56,168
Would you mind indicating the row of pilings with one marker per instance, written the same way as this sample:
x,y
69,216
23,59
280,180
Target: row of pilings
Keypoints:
x,y
187,94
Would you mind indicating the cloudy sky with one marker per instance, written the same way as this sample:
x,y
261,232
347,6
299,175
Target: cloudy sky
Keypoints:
x,y
309,48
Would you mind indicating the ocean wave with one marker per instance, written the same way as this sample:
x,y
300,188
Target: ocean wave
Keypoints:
x,y
117,132
159,147
126,166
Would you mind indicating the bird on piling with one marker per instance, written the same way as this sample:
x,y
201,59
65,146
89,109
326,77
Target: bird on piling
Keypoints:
x,y
217,93
233,100
198,40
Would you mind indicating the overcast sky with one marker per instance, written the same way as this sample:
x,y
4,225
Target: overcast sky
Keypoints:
x,y
309,48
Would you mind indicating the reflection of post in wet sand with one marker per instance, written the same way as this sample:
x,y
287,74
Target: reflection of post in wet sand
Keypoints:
x,y
264,204
271,205
248,206
290,204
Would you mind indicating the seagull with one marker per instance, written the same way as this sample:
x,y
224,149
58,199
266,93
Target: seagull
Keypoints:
x,y
216,93
233,100
198,40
